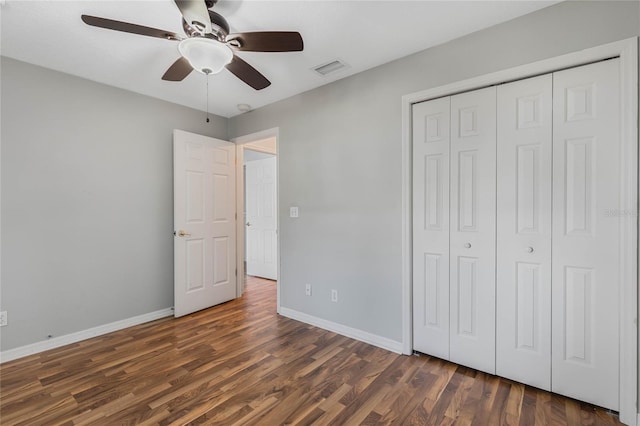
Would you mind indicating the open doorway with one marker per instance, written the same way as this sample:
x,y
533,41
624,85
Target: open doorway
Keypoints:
x,y
257,207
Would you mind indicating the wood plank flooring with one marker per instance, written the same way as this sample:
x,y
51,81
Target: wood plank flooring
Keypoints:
x,y
241,364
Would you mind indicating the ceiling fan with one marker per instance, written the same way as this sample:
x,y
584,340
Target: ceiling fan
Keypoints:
x,y
208,47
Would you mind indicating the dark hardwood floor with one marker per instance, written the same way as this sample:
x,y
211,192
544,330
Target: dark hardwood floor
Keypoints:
x,y
240,363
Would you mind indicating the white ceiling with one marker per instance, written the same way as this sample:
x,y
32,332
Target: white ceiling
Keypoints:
x,y
362,34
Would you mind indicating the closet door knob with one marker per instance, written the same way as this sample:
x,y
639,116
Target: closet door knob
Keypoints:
x,y
468,245
530,250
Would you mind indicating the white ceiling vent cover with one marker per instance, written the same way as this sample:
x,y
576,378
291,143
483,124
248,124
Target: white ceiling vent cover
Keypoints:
x,y
330,67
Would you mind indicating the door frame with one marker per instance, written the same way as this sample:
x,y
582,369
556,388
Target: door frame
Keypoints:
x,y
627,51
241,143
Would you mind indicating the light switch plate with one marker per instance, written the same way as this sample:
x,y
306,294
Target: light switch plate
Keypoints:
x,y
293,212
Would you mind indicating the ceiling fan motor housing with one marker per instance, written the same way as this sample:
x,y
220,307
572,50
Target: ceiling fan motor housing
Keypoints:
x,y
219,27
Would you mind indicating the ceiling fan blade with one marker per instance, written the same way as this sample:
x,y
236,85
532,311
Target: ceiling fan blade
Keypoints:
x,y
267,41
126,27
247,73
178,71
196,14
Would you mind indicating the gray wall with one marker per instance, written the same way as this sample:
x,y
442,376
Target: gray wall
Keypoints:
x,y
340,158
87,204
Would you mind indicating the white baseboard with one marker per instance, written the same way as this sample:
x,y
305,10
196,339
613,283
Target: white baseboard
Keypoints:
x,y
56,342
354,333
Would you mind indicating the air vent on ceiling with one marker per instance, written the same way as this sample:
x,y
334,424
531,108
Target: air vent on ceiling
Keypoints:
x,y
330,67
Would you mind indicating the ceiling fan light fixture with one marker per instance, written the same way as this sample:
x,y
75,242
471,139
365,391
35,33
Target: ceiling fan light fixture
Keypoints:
x,y
205,55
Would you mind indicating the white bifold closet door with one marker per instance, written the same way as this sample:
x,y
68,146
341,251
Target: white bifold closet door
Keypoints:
x,y
586,233
472,237
558,248
541,304
431,227
523,281
454,240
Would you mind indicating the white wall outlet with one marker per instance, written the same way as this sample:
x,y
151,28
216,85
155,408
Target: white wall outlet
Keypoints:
x,y
307,289
3,318
334,295
293,212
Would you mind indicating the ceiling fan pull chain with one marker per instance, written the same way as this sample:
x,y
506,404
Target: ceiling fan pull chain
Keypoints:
x,y
207,76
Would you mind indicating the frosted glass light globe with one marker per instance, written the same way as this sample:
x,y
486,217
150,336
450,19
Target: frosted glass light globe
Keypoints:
x,y
205,55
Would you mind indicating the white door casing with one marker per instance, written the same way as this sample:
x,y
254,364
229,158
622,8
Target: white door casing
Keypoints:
x,y
261,220
586,233
523,273
204,222
431,227
473,229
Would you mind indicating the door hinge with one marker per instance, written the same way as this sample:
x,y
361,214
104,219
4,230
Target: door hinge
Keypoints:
x,y
236,272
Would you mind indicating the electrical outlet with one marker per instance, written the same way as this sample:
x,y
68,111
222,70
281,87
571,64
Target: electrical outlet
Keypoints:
x,y
307,289
293,212
3,318
334,295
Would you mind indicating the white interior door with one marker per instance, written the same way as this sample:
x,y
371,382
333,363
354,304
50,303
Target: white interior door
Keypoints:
x,y
473,229
523,280
261,222
586,233
431,227
204,222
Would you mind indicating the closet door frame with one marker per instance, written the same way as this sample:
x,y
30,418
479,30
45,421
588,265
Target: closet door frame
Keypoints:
x,y
627,51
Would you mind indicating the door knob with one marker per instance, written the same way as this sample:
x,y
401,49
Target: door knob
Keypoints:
x,y
181,233
530,250
468,245
248,223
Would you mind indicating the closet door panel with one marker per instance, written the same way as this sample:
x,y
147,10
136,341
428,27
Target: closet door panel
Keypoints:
x,y
586,233
431,227
523,281
472,222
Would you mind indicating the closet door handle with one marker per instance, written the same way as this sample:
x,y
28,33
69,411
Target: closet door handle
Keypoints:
x,y
467,245
530,250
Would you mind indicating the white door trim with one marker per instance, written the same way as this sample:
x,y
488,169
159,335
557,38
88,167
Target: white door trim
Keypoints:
x,y
240,230
627,51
